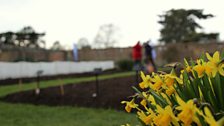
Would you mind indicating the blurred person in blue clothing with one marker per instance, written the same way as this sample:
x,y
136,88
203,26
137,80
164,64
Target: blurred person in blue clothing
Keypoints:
x,y
150,56
75,52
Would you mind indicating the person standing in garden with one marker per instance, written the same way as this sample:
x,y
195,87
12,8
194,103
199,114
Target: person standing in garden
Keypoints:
x,y
137,54
137,57
150,56
75,52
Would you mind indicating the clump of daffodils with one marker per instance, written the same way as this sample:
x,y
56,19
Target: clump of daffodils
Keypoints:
x,y
195,97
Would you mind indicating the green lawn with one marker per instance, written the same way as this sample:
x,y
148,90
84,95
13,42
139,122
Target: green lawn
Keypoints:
x,y
31,115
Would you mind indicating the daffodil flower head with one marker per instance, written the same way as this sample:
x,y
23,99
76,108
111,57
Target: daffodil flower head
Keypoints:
x,y
199,68
151,99
209,117
188,112
215,58
208,69
158,82
129,105
165,116
143,102
170,90
169,81
146,118
170,78
215,64
147,98
188,69
146,81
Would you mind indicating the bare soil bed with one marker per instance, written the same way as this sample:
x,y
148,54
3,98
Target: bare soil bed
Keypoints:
x,y
111,93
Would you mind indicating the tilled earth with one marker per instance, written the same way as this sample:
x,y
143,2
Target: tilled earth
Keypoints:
x,y
111,93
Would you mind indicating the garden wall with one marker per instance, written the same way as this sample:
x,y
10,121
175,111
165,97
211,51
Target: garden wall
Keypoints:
x,y
165,53
28,69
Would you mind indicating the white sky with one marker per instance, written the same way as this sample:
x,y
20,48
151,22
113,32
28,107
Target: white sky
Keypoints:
x,y
69,20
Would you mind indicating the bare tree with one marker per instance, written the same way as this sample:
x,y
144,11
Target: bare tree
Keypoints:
x,y
83,43
106,36
57,46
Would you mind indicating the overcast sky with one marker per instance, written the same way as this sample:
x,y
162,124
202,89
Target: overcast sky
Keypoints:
x,y
70,20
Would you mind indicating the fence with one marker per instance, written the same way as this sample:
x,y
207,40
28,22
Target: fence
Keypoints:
x,y
28,69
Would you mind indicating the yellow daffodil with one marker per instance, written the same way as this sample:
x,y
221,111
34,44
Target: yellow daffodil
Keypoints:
x,y
151,100
146,118
208,69
215,65
147,98
165,117
209,117
170,90
158,82
170,78
188,68
129,105
211,67
215,58
188,112
143,102
145,81
199,68
169,81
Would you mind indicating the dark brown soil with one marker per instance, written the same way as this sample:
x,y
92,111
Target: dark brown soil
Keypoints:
x,y
111,93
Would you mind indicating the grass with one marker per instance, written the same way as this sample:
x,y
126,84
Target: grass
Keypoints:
x,y
5,90
31,115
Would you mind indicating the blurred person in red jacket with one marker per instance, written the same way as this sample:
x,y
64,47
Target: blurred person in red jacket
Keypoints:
x,y
137,55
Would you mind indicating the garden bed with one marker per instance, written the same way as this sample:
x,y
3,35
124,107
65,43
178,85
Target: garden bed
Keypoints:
x,y
111,93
